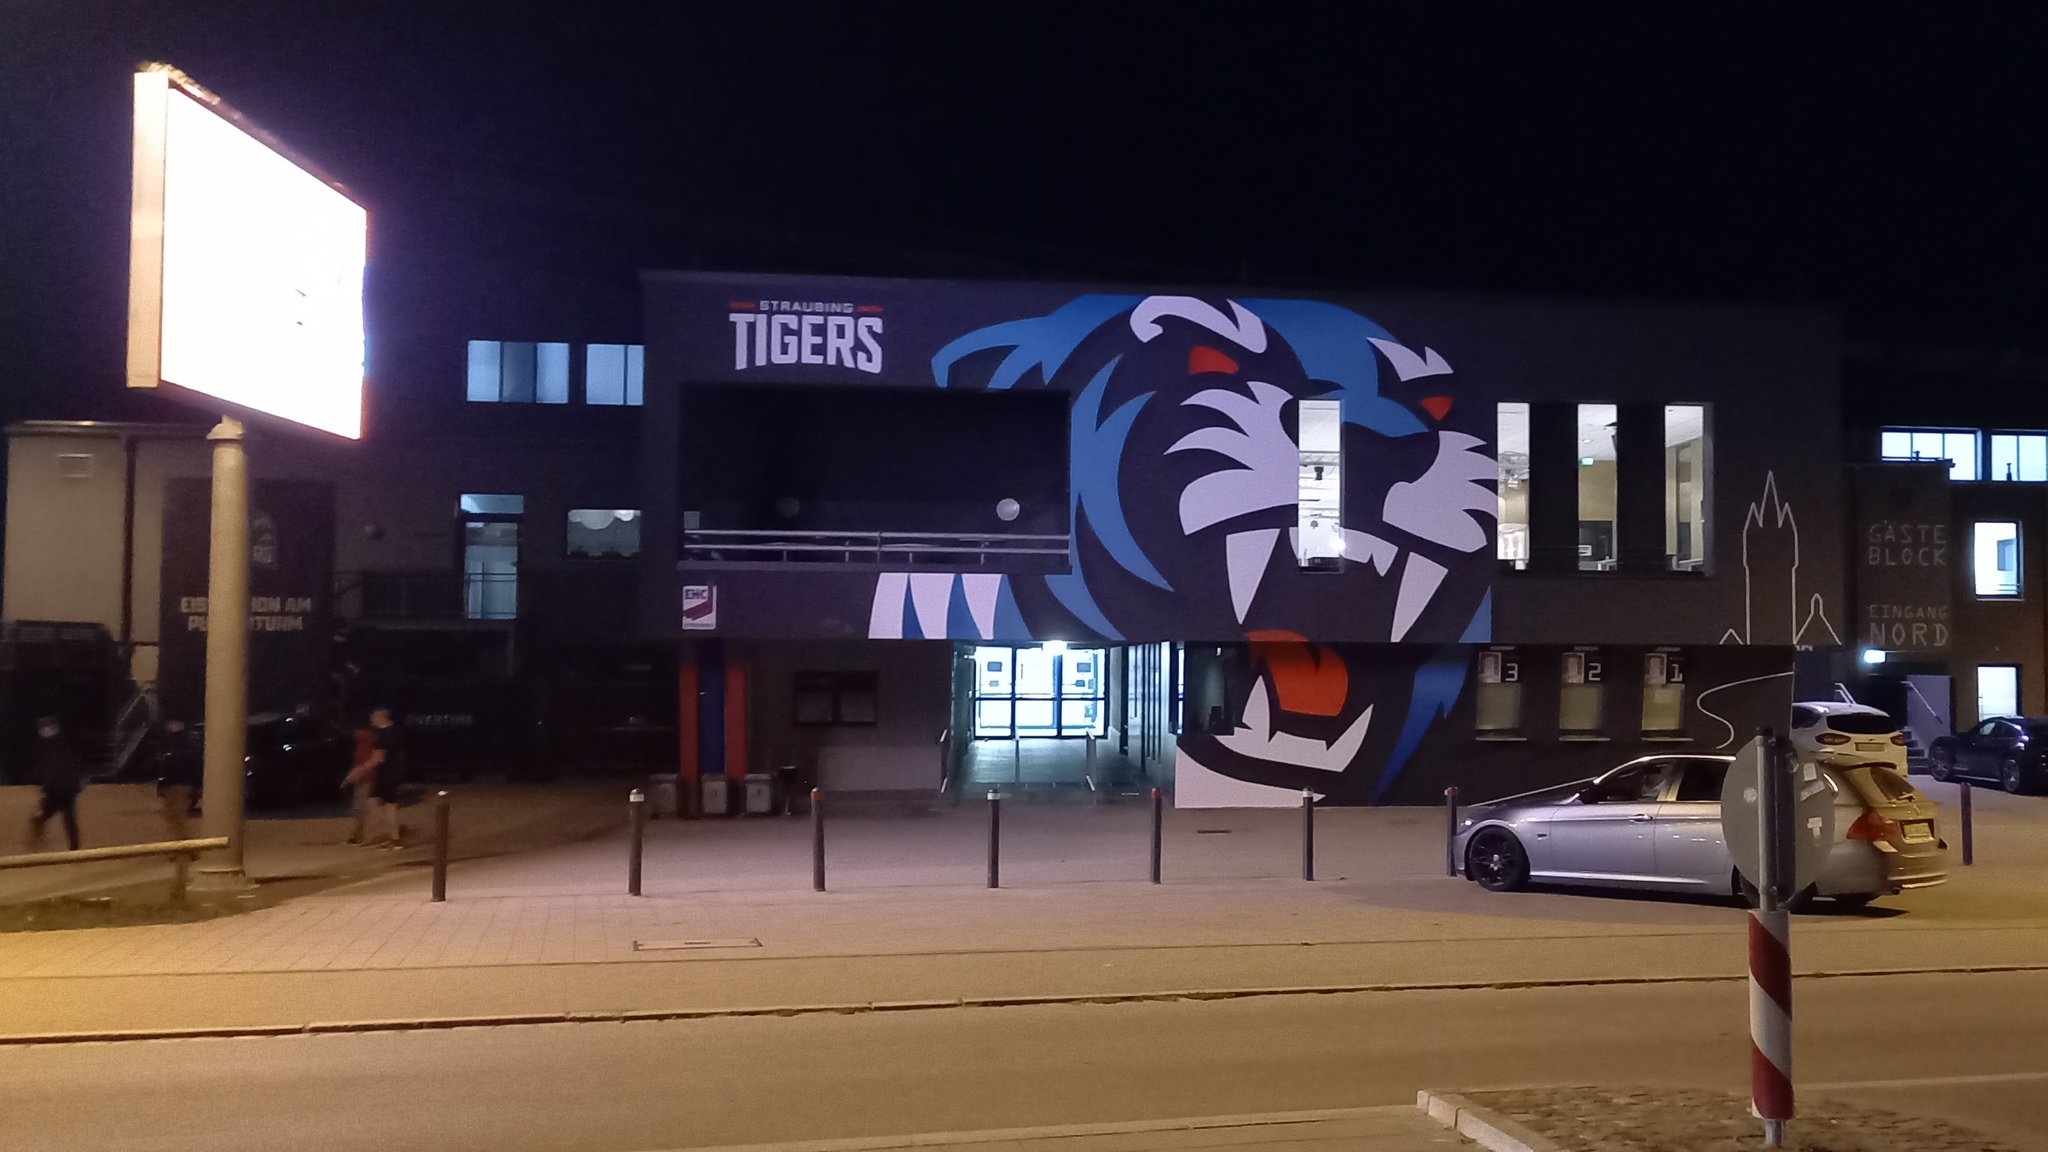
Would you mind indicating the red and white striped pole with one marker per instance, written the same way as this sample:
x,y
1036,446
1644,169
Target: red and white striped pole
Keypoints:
x,y
1770,1021
1770,949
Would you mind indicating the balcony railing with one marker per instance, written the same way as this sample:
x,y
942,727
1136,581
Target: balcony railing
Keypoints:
x,y
427,597
955,551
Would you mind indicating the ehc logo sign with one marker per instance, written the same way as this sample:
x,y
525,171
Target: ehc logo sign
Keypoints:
x,y
826,333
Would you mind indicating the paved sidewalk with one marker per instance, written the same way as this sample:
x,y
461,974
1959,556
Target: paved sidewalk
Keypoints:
x,y
1388,1129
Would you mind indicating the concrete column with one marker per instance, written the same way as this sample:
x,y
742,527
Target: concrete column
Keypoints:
x,y
227,659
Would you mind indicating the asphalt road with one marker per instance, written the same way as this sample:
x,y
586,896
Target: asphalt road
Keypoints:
x,y
1972,1046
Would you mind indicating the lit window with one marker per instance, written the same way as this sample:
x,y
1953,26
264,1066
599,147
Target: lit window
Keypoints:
x,y
517,372
1596,487
1959,448
613,374
598,533
492,504
1578,712
1319,505
1685,486
1998,690
1512,437
1995,558
2019,456
1663,693
1500,693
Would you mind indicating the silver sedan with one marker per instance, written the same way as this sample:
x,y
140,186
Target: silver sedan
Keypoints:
x,y
1655,823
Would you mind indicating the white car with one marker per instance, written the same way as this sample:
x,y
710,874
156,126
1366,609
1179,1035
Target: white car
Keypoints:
x,y
1834,732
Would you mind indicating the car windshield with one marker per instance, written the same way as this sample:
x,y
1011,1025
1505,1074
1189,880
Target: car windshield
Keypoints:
x,y
1862,723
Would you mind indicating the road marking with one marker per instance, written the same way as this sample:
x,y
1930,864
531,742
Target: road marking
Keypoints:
x,y
1929,1082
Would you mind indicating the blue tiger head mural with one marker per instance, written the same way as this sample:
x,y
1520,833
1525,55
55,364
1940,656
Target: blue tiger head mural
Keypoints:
x,y
1185,474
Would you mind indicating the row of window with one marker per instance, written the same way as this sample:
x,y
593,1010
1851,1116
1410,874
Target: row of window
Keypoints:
x,y
529,372
1581,700
2015,456
1599,478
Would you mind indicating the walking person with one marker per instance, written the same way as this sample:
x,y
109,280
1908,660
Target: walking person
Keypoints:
x,y
57,769
180,770
387,772
360,781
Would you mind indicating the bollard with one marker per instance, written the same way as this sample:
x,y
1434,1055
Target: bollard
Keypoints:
x,y
1158,826
637,805
1969,837
1308,834
1451,831
995,838
440,847
817,840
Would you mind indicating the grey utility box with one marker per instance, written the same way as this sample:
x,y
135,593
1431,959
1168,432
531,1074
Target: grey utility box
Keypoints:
x,y
760,795
717,795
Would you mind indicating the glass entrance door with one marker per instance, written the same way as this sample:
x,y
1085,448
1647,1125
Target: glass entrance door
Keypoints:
x,y
1039,691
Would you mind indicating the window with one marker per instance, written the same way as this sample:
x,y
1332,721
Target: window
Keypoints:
x,y
1500,693
490,554
1596,487
613,374
1319,504
1663,693
1042,690
604,532
1995,559
1635,784
1998,690
1578,712
834,699
1512,486
518,372
2019,456
1959,448
1701,781
1685,486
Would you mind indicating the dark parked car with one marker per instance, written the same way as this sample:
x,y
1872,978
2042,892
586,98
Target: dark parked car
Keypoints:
x,y
291,760
2008,749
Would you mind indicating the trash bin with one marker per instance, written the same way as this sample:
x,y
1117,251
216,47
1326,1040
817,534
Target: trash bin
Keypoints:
x,y
760,795
717,795
662,794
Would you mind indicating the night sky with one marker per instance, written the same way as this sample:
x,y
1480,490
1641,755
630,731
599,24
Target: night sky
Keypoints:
x,y
520,169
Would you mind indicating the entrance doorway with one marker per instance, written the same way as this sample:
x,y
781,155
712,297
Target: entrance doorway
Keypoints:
x,y
1045,690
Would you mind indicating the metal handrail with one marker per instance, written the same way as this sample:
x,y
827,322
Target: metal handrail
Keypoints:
x,y
745,544
181,853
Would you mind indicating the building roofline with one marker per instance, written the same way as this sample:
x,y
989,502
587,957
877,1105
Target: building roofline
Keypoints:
x,y
102,428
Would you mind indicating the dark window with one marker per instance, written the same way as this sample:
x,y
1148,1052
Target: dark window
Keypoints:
x,y
1631,785
829,699
1804,717
1702,781
1862,724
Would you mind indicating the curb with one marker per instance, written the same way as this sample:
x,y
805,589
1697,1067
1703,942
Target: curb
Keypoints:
x,y
641,1015
1487,1129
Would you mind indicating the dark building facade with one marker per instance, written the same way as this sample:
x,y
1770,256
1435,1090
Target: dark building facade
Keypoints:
x,y
1367,546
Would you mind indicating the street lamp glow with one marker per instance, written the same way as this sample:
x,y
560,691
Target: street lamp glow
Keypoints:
x,y
1873,655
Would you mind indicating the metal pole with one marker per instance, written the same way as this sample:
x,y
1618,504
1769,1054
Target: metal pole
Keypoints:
x,y
1016,750
440,847
1969,833
1308,835
817,839
1770,947
1158,830
227,659
637,805
995,838
1451,831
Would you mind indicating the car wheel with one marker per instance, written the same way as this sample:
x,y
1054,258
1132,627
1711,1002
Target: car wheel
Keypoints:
x,y
1496,860
2009,774
1941,764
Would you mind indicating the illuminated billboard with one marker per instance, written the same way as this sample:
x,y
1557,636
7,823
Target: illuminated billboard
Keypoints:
x,y
245,268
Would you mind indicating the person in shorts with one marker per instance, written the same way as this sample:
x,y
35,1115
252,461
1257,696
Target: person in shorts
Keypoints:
x,y
387,772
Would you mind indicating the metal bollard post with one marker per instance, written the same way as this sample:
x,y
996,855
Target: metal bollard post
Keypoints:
x,y
637,804
1158,827
440,847
995,838
817,839
1308,834
1969,836
1451,831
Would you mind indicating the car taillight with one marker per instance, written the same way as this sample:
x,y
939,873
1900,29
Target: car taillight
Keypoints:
x,y
1898,739
1873,827
1832,738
